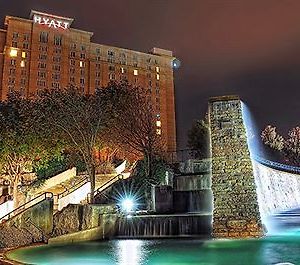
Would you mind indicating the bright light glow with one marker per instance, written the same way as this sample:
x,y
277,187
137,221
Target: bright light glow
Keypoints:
x,y
81,63
122,70
13,53
23,54
157,76
158,131
157,69
135,72
127,205
158,123
22,64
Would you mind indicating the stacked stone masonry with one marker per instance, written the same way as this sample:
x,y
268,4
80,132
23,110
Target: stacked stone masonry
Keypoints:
x,y
236,210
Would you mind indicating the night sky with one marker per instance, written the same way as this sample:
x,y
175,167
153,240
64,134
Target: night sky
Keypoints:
x,y
250,48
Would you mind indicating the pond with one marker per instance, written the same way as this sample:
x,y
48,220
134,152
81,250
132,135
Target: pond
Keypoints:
x,y
266,251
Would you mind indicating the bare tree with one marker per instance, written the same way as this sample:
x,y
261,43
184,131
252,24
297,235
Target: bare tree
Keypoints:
x,y
78,120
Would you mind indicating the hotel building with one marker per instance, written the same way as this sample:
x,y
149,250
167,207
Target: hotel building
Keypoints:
x,y
45,52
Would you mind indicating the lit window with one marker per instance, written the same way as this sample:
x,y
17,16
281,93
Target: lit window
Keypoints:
x,y
23,54
135,72
157,69
158,131
13,53
22,63
122,70
157,76
81,64
158,123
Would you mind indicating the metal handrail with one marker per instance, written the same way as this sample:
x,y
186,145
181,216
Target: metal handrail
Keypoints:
x,y
102,187
23,207
73,188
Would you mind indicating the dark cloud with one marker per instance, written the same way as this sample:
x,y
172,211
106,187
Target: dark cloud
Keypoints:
x,y
251,48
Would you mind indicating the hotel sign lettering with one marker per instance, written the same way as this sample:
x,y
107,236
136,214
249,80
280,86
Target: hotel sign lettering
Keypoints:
x,y
51,22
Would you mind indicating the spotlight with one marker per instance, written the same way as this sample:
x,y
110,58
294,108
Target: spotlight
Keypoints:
x,y
127,205
176,63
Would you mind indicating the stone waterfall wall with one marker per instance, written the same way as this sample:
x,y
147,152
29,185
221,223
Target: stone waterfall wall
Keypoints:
x,y
236,211
277,190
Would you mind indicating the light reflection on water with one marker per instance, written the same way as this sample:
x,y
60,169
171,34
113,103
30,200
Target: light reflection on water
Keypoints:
x,y
268,251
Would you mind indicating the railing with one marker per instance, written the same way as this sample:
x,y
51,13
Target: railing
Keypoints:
x,y
276,165
73,188
27,205
105,186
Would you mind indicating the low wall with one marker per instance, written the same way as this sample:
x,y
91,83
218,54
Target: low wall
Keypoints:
x,y
30,226
76,217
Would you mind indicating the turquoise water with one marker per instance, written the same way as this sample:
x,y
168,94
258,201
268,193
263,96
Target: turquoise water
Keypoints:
x,y
267,251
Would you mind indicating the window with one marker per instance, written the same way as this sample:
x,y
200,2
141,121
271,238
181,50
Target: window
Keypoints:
x,y
158,123
149,75
15,35
24,55
82,72
97,65
57,50
157,76
57,40
12,71
23,72
56,59
55,85
26,37
97,82
157,69
14,44
72,71
22,64
72,62
25,45
42,56
158,131
41,82
110,53
42,65
82,81
23,81
44,37
135,72
82,55
82,47
73,46
13,62
98,50
97,74
122,58
11,80
42,74
56,67
43,48
112,76
123,70
72,79
98,58
72,54
111,68
13,53
81,64
56,76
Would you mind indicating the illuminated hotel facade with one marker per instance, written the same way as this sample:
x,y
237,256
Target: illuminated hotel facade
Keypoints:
x,y
45,52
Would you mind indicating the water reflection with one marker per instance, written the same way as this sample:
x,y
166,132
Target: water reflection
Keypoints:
x,y
130,252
